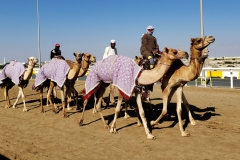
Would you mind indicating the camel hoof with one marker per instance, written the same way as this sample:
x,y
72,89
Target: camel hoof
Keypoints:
x,y
193,123
65,115
113,131
14,107
80,122
25,110
69,108
106,126
185,134
139,125
126,116
151,137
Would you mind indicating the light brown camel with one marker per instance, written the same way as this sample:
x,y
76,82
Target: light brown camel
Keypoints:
x,y
178,75
146,77
86,61
69,85
32,61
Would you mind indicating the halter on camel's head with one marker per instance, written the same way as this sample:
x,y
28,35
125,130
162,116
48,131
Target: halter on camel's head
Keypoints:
x,y
198,45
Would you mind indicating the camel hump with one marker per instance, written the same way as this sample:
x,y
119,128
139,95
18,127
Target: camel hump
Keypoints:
x,y
70,63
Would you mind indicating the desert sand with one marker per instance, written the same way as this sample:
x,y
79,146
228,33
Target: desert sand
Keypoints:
x,y
33,135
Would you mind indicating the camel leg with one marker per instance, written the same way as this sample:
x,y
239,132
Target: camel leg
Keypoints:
x,y
99,97
166,100
63,95
19,95
49,97
7,105
23,99
126,115
69,99
149,102
117,111
94,107
179,112
139,122
186,104
76,98
143,118
80,122
41,98
112,88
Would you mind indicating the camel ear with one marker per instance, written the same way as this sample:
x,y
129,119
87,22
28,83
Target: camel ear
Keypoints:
x,y
166,49
135,57
192,40
74,54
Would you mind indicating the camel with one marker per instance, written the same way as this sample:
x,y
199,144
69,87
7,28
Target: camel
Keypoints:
x,y
69,75
118,67
178,75
16,74
86,61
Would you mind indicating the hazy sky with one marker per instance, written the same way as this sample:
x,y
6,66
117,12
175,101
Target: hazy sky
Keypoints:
x,y
89,25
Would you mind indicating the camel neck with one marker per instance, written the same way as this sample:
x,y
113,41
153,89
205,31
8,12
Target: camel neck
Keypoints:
x,y
84,68
151,76
28,72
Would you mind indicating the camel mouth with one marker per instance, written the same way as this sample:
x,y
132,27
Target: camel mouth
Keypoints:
x,y
211,40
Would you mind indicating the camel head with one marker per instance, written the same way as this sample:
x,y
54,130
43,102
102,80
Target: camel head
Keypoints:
x,y
89,57
198,47
173,54
201,43
138,59
32,61
78,57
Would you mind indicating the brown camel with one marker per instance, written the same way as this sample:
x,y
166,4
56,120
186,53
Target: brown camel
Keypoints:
x,y
69,85
145,78
8,83
178,75
87,60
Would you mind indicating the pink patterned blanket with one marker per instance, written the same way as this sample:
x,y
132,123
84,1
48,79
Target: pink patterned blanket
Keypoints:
x,y
56,70
14,70
121,71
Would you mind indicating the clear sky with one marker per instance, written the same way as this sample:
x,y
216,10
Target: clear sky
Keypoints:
x,y
89,25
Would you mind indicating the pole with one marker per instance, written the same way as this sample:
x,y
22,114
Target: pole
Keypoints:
x,y
231,78
202,31
39,51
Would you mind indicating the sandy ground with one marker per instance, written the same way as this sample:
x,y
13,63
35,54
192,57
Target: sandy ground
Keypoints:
x,y
34,135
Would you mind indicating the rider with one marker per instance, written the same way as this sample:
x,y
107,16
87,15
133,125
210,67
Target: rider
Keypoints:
x,y
148,50
56,51
149,45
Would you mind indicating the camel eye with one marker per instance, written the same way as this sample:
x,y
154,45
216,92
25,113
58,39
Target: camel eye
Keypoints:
x,y
199,40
